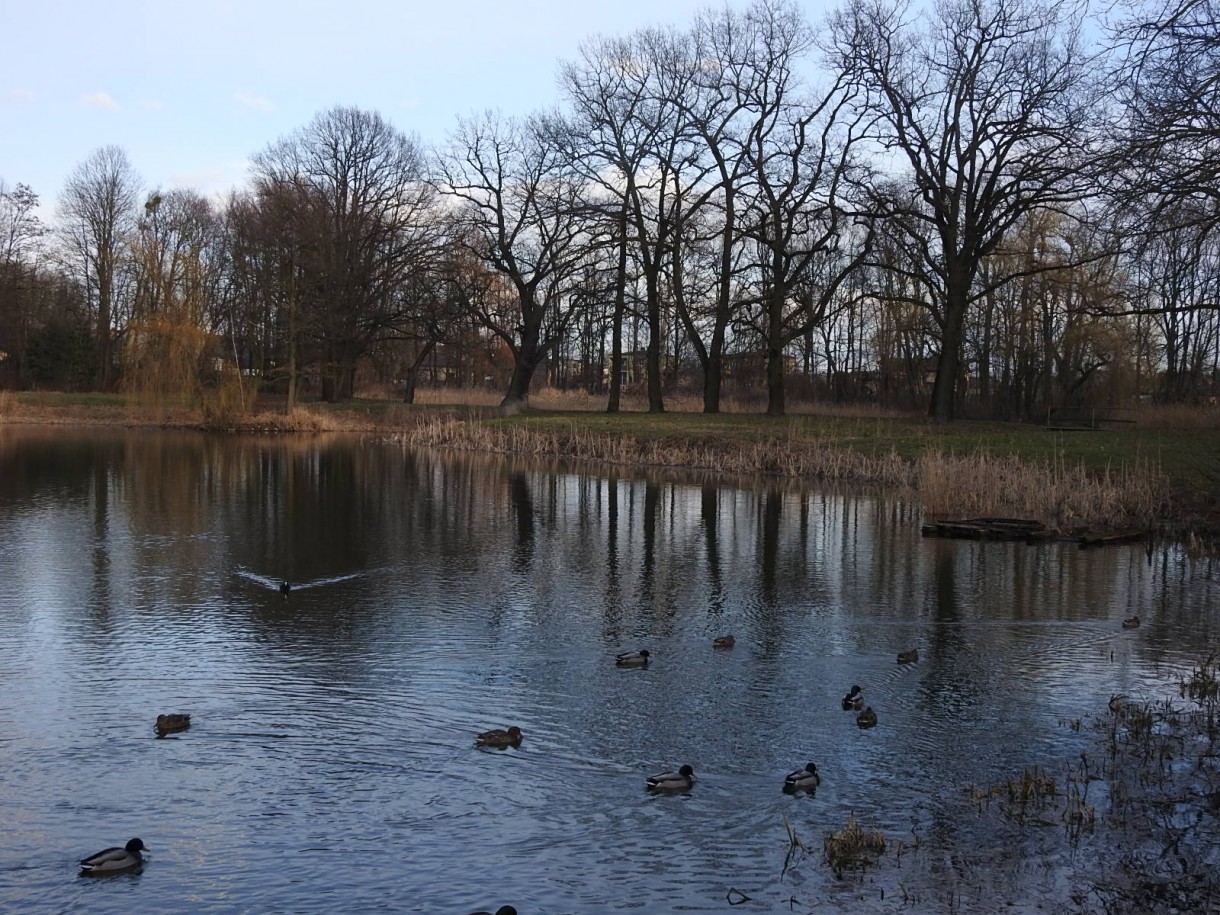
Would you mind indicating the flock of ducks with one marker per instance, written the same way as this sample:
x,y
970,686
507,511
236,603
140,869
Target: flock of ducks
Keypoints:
x,y
118,860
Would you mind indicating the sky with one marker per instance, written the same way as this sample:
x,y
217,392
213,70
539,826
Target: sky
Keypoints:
x,y
192,91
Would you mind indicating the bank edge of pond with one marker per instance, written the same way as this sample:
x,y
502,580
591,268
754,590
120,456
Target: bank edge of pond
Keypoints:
x,y
1126,827
969,470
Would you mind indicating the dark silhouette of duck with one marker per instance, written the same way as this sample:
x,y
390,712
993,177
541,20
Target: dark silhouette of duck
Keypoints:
x,y
168,724
867,718
285,587
854,700
500,738
908,657
1131,622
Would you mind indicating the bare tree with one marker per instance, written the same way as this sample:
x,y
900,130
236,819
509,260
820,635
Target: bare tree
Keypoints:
x,y
20,233
990,107
628,140
97,212
367,207
1168,78
518,212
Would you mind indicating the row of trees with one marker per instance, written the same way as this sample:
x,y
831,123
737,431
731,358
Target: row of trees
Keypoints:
x,y
957,197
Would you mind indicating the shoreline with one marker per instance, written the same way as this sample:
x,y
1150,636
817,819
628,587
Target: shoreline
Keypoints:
x,y
1104,480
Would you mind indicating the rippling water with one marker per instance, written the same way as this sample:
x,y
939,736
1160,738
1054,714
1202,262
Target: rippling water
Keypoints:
x,y
331,766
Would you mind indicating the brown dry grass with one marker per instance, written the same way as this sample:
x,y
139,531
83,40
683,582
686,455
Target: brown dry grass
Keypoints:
x,y
987,485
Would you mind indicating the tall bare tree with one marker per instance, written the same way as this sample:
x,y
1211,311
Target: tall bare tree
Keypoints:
x,y
518,211
97,213
990,106
20,233
364,201
1169,81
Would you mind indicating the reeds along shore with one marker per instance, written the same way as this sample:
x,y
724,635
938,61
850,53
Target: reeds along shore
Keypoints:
x,y
946,484
1055,491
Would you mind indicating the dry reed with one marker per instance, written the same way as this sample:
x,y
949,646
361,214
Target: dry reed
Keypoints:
x,y
974,485
988,485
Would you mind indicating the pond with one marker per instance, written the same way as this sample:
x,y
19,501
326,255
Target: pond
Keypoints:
x,y
331,764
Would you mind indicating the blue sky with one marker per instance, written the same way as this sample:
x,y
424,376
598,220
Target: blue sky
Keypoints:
x,y
191,91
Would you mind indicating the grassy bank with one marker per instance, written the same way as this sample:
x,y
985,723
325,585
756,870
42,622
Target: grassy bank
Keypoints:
x,y
1161,471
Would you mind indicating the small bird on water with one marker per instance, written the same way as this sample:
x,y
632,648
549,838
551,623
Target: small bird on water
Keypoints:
x,y
115,860
168,724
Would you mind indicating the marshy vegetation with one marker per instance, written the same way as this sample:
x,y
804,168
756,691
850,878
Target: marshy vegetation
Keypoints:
x,y
1128,825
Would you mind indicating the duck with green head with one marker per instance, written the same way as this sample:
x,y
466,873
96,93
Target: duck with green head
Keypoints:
x,y
806,779
115,860
671,781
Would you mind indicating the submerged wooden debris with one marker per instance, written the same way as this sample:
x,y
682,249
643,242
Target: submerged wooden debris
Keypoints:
x,y
1024,531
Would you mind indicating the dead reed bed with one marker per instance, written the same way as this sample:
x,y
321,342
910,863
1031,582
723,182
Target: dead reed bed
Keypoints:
x,y
974,485
1055,492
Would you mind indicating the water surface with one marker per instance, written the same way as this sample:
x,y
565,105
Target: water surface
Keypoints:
x,y
331,765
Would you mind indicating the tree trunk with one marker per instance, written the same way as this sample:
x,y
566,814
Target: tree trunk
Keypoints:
x,y
948,364
616,328
656,403
775,350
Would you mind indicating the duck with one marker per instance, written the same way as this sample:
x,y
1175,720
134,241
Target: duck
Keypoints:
x,y
285,587
671,781
806,779
854,700
1131,622
503,910
908,657
724,641
168,724
632,658
115,860
501,738
867,718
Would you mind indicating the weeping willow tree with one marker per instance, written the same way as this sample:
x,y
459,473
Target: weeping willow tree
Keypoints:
x,y
172,356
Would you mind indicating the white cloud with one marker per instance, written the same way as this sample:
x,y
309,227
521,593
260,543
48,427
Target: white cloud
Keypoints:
x,y
255,102
99,100
19,95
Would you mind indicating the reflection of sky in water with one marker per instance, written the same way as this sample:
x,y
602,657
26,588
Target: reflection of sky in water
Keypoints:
x,y
433,599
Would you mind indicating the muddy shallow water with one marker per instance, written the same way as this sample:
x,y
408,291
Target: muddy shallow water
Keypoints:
x,y
331,761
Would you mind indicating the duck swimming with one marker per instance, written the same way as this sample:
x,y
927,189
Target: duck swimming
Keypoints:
x,y
908,657
500,738
168,724
1131,622
671,781
632,658
115,860
854,700
867,718
806,779
724,641
503,910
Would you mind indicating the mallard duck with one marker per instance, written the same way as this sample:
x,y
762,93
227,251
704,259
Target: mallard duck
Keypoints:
x,y
671,781
724,641
867,718
908,657
806,779
167,724
115,860
1131,622
632,658
500,738
854,700
285,587
503,910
